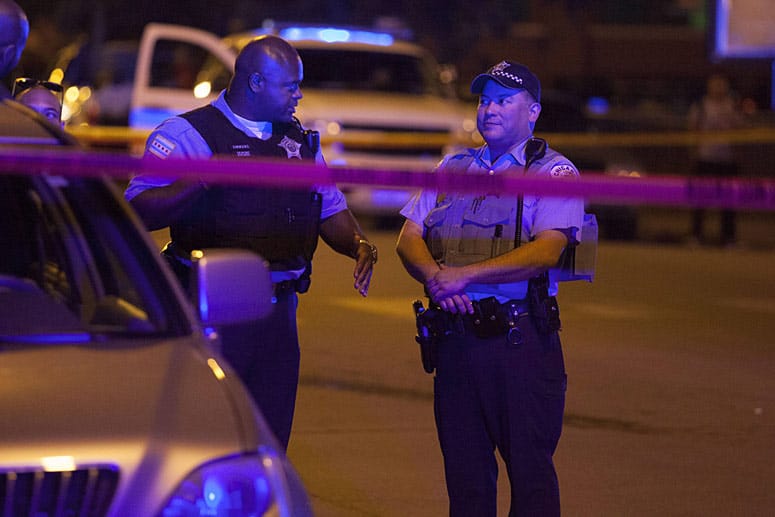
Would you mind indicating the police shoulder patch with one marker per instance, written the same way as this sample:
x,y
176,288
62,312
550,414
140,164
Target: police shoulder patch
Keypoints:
x,y
563,169
161,147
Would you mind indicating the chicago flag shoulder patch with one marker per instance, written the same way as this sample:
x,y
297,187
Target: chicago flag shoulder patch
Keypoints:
x,y
161,147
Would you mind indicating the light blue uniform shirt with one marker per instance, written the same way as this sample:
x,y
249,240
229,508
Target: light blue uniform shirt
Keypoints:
x,y
539,213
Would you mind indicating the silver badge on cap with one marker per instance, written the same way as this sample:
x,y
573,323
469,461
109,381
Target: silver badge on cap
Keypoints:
x,y
500,70
500,67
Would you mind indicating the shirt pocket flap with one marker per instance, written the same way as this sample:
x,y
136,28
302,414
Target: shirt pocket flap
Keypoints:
x,y
436,216
488,215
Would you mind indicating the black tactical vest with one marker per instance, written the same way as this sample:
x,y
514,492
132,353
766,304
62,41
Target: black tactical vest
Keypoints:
x,y
280,224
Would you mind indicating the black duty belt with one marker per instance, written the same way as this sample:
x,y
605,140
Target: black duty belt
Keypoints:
x,y
510,308
299,285
490,318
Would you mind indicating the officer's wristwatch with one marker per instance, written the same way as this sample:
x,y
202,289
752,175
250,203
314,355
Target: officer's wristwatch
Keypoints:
x,y
372,249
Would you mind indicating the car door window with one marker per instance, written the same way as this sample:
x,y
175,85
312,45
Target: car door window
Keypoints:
x,y
71,251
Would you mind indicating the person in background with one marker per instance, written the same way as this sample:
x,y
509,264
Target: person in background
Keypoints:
x,y
254,117
14,30
41,96
717,110
483,261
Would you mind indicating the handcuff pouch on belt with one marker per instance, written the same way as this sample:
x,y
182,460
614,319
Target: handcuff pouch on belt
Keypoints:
x,y
489,319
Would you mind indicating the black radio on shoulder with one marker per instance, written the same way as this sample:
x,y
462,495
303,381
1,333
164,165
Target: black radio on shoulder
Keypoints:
x,y
312,138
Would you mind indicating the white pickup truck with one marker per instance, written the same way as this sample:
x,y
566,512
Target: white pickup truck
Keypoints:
x,y
378,102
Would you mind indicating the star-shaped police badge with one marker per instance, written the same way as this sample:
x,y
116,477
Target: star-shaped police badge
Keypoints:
x,y
292,147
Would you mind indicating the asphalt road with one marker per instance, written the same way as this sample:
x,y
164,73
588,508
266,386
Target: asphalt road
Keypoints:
x,y
671,400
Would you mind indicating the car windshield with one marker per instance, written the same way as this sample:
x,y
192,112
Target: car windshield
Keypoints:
x,y
74,267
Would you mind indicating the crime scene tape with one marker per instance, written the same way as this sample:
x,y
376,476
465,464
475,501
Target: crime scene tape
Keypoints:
x,y
740,193
116,136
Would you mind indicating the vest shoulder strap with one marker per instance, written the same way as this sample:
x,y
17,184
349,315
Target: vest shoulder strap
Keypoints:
x,y
208,121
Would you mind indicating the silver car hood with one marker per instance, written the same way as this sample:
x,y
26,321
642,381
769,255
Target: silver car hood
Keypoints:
x,y
155,412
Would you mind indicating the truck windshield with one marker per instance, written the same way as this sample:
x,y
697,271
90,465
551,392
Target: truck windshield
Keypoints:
x,y
339,69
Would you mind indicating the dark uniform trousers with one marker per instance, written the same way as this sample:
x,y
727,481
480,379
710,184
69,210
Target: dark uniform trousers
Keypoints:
x,y
492,394
265,355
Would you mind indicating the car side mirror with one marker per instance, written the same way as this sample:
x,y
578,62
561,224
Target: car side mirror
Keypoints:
x,y
230,286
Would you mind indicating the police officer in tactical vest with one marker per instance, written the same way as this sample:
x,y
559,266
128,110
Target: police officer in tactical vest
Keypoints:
x,y
493,321
254,117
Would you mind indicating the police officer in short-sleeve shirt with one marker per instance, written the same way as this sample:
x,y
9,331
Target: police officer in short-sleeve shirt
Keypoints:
x,y
484,261
253,117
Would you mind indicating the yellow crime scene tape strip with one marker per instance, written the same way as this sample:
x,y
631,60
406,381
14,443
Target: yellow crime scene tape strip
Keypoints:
x,y
110,136
753,194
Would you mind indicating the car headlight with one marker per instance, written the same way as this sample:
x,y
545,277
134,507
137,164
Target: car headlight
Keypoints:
x,y
237,486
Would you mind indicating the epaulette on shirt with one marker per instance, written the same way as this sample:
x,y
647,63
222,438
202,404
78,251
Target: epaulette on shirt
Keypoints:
x,y
468,153
459,162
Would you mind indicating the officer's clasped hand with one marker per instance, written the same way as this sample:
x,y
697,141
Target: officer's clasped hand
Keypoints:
x,y
447,289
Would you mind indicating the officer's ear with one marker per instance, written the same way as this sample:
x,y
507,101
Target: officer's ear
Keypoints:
x,y
535,111
7,55
255,81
